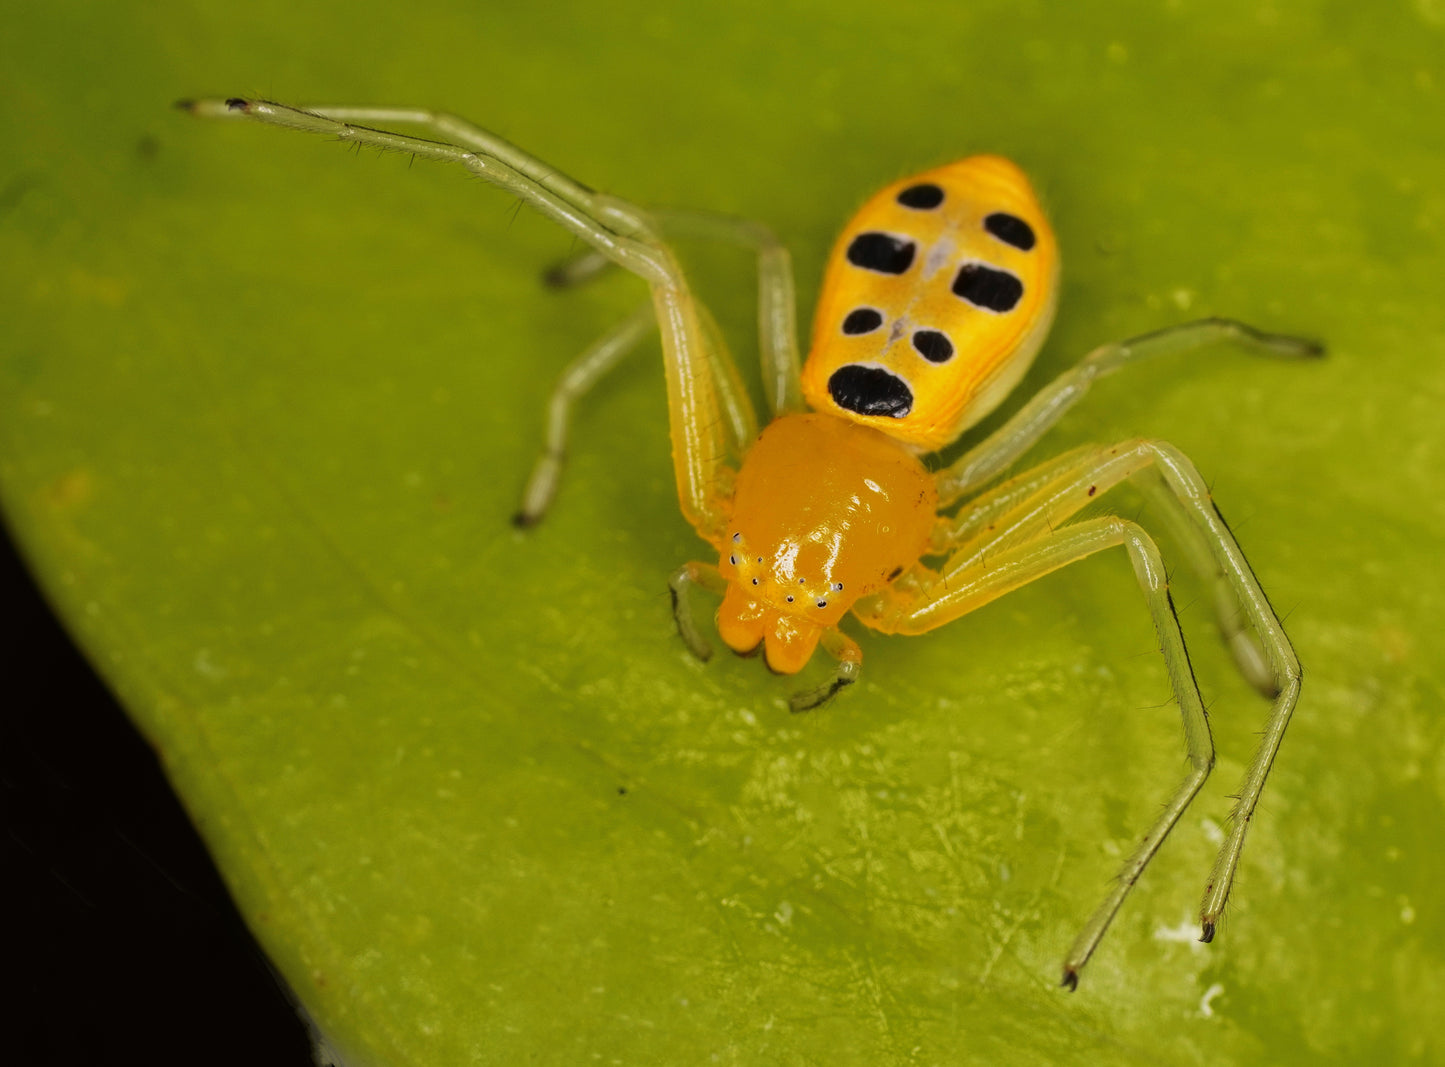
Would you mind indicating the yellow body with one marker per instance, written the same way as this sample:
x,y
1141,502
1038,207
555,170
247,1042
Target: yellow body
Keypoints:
x,y
979,276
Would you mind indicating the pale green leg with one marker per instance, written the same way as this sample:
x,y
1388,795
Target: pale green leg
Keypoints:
x,y
1001,449
968,589
581,375
984,515
732,393
1249,655
776,328
449,127
1258,640
617,229
777,297
684,579
737,410
576,270
1281,683
986,511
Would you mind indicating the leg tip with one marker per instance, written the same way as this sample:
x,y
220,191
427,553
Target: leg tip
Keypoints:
x,y
700,649
213,109
1269,691
1071,979
816,698
1206,932
525,520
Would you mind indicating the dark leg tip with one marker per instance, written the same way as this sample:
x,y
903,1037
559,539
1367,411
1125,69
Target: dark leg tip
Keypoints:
x,y
236,103
811,701
556,276
1071,979
1301,347
184,105
524,520
1206,934
798,703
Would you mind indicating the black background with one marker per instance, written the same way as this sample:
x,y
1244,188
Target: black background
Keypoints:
x,y
124,943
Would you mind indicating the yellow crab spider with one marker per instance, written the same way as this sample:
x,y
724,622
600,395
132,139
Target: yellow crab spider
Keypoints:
x,y
937,297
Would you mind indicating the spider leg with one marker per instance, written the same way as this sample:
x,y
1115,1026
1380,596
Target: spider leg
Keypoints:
x,y
704,576
446,128
619,230
1279,676
982,515
739,422
1001,449
987,512
580,375
850,664
969,588
777,296
575,270
1193,539
599,359
777,299
991,534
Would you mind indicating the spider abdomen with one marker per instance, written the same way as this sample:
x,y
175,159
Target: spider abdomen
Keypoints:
x,y
938,295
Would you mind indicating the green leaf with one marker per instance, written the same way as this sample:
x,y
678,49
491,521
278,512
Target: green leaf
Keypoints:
x,y
267,407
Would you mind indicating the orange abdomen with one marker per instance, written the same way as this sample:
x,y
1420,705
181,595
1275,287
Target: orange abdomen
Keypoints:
x,y
937,296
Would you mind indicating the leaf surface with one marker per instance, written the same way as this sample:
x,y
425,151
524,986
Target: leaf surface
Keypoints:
x,y
266,408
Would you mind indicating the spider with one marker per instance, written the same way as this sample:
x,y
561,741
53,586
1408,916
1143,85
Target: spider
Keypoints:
x,y
936,299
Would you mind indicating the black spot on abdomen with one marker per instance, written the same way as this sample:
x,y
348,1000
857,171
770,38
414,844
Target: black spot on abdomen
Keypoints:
x,y
988,287
933,345
881,252
1010,229
862,320
870,391
923,197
